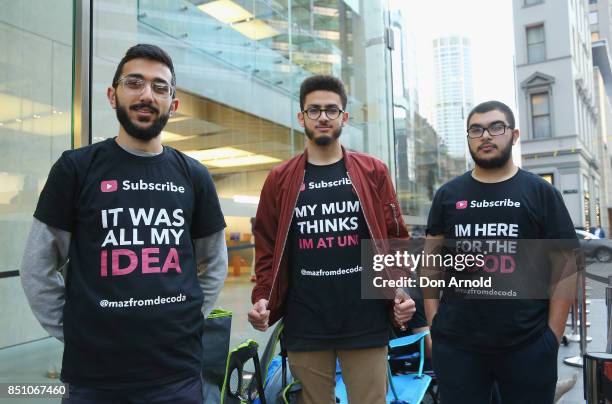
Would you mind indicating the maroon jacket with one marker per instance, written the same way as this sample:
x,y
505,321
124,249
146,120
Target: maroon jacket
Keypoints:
x,y
370,178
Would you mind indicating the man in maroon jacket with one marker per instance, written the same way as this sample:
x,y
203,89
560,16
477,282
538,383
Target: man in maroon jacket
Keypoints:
x,y
314,211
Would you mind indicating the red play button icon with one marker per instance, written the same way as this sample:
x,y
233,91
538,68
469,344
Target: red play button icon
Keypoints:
x,y
461,204
108,186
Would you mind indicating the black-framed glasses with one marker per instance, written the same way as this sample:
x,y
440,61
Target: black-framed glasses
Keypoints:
x,y
136,86
497,129
332,112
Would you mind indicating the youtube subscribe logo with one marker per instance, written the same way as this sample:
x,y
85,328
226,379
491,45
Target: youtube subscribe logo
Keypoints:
x,y
127,185
108,186
459,205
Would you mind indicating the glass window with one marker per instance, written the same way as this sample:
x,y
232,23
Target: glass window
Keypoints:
x,y
536,45
540,115
35,128
548,178
231,55
593,17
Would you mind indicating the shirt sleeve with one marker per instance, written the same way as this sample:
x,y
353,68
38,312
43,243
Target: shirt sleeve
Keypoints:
x,y
207,215
45,253
57,200
418,319
211,256
435,221
557,221
264,231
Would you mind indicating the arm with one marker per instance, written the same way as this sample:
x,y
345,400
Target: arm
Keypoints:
x,y
211,258
562,258
403,305
397,228
45,253
562,291
431,299
264,230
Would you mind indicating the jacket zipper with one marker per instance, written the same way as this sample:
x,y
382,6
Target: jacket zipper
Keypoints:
x,y
397,231
285,242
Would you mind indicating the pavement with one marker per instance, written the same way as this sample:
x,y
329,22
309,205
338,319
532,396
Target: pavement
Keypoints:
x,y
596,316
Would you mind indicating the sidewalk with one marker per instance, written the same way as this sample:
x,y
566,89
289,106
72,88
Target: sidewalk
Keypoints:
x,y
597,330
30,362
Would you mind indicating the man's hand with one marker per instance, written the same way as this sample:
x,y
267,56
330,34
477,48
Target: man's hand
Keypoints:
x,y
558,331
403,308
259,315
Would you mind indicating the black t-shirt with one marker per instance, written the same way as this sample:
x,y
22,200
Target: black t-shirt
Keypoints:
x,y
418,320
324,306
133,304
522,207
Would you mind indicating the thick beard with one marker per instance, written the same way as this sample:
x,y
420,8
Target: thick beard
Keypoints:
x,y
495,162
145,134
323,140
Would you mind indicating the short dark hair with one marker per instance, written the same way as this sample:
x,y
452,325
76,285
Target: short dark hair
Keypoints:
x,y
324,83
493,106
145,51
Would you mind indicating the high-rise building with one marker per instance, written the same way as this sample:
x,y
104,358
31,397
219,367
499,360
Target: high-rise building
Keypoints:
x,y
558,103
422,160
454,95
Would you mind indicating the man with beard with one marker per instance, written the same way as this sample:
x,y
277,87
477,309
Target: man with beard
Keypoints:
x,y
478,343
314,211
128,221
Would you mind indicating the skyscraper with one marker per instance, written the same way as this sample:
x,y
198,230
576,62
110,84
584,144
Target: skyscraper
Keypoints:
x,y
454,94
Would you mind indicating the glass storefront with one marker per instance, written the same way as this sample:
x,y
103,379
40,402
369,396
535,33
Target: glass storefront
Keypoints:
x,y
239,65
35,127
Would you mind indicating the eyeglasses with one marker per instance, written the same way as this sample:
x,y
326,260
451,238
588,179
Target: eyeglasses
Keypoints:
x,y
136,86
315,112
496,129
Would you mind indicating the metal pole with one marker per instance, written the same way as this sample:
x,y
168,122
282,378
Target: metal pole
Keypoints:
x,y
574,336
81,94
595,373
577,361
609,307
582,324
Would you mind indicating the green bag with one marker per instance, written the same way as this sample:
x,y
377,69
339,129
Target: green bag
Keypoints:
x,y
215,344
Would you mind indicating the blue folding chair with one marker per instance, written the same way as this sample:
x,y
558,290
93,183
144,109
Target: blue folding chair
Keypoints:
x,y
410,388
405,388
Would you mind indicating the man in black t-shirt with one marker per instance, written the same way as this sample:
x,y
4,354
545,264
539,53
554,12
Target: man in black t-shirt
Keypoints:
x,y
133,219
314,212
509,342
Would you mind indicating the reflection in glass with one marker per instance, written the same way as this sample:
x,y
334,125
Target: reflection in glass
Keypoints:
x,y
35,107
35,114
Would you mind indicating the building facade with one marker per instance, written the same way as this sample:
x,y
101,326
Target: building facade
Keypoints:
x,y
600,22
239,65
557,103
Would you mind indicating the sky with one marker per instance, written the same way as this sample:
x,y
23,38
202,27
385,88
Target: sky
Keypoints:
x,y
488,24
